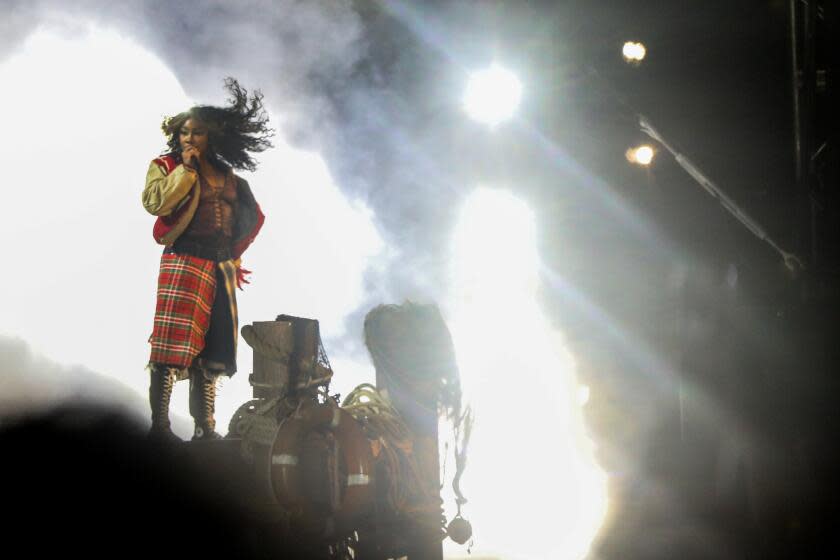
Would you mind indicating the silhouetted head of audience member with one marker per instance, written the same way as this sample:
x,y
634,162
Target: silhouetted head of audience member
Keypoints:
x,y
87,480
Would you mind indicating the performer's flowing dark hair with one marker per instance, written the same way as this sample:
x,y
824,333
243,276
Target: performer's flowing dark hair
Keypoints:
x,y
234,132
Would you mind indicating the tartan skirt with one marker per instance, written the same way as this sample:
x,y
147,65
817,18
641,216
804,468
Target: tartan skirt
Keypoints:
x,y
188,298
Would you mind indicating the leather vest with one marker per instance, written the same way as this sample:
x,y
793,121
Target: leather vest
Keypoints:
x,y
214,219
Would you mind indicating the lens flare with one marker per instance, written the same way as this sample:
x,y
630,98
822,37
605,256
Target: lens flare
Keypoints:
x,y
534,489
492,95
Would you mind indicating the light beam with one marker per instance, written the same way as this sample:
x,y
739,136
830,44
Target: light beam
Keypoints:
x,y
534,489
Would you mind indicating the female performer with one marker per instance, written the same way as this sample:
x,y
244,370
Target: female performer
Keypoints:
x,y
207,217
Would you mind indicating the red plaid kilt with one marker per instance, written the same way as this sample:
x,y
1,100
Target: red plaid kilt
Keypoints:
x,y
186,288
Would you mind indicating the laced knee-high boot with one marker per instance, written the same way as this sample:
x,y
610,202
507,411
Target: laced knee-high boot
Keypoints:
x,y
203,403
162,380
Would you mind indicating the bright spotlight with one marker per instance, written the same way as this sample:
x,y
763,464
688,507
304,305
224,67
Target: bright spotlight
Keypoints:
x,y
492,95
641,155
633,52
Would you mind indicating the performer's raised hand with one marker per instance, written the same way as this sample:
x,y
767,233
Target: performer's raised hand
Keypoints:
x,y
191,156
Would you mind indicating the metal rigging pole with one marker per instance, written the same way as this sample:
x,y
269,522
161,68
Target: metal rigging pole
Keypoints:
x,y
809,86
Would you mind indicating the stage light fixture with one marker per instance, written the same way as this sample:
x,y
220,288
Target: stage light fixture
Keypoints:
x,y
633,51
640,155
492,95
